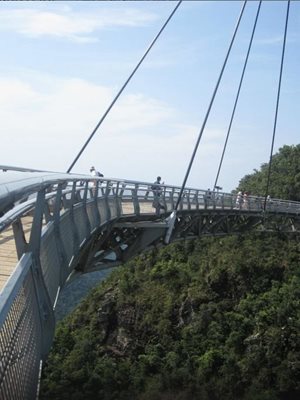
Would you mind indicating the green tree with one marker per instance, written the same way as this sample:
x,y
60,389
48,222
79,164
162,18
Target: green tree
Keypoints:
x,y
284,177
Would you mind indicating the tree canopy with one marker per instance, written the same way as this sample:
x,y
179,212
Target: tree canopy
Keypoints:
x,y
284,177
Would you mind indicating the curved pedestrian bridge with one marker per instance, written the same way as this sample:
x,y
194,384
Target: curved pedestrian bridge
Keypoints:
x,y
54,225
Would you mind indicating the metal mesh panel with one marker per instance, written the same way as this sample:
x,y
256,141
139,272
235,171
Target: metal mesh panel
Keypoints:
x,y
146,207
20,345
102,210
80,222
90,208
65,226
50,263
127,207
113,207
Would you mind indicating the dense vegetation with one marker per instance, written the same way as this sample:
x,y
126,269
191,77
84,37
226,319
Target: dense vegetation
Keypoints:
x,y
207,319
285,176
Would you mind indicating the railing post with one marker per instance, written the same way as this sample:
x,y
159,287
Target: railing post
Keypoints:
x,y
181,202
21,244
205,199
172,199
197,199
188,199
95,203
136,205
48,216
74,228
45,306
164,199
86,217
119,194
107,190
57,235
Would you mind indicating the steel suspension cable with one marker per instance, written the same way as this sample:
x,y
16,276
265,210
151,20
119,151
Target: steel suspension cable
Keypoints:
x,y
123,87
209,108
237,96
277,103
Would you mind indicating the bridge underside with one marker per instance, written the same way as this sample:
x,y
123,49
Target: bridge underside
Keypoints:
x,y
120,240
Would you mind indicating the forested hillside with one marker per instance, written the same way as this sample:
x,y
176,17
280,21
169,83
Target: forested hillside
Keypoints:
x,y
198,320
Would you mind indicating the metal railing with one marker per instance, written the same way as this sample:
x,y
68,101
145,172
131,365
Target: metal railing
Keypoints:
x,y
51,217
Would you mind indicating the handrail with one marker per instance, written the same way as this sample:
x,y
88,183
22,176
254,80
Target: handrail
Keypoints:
x,y
21,189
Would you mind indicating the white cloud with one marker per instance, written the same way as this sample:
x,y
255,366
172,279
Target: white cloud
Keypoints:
x,y
13,92
275,40
68,24
45,128
278,40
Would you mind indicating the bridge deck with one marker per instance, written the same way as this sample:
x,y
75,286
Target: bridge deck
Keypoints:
x,y
8,252
8,256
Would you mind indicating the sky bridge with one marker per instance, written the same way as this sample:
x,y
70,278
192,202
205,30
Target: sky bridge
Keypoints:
x,y
57,225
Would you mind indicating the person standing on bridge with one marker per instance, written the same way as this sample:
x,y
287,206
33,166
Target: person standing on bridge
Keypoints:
x,y
207,198
157,191
94,172
246,200
239,200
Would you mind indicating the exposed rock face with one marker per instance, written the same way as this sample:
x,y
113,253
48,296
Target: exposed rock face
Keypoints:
x,y
123,340
186,312
126,317
106,316
115,325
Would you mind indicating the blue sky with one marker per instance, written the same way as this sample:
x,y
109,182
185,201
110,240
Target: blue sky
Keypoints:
x,y
63,62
